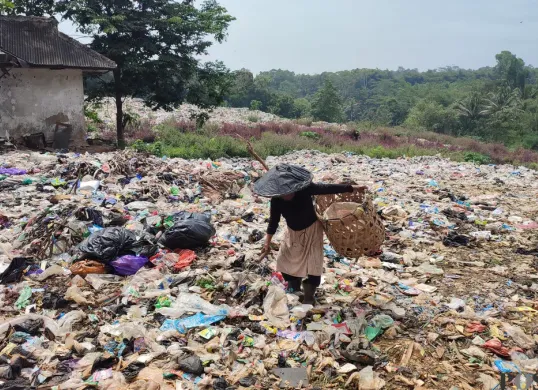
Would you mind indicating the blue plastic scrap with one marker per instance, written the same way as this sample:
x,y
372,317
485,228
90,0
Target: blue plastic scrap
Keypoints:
x,y
199,319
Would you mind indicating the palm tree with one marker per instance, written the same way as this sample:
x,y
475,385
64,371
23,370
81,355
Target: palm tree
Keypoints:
x,y
471,108
505,98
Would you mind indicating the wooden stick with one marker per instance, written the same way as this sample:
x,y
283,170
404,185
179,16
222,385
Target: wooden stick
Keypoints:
x,y
250,149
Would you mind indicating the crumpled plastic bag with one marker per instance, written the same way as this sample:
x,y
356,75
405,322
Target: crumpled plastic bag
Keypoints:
x,y
190,231
370,380
112,242
517,334
74,293
128,264
13,273
195,321
275,307
192,303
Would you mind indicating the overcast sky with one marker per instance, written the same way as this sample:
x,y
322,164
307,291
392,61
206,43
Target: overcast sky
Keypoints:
x,y
313,36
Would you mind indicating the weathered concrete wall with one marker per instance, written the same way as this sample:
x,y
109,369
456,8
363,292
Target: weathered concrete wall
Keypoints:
x,y
33,100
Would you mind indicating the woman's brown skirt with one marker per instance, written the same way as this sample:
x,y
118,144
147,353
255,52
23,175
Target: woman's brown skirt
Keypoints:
x,y
301,252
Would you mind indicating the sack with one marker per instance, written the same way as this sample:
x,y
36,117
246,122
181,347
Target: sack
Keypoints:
x,y
190,231
86,267
112,242
283,179
128,264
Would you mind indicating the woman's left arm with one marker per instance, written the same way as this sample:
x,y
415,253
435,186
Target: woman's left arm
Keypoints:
x,y
327,189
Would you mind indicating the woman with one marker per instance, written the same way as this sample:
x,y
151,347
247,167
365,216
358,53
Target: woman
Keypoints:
x,y
301,253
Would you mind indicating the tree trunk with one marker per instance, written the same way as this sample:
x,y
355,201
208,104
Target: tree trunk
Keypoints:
x,y
119,109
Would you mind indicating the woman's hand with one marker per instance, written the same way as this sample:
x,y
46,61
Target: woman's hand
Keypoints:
x,y
359,188
266,247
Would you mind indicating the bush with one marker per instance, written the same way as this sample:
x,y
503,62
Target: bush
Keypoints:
x,y
253,118
307,121
310,134
255,105
477,158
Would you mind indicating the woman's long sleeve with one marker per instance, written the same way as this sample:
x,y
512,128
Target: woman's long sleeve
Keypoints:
x,y
327,189
274,218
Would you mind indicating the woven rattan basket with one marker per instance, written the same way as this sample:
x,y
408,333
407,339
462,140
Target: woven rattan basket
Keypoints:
x,y
357,233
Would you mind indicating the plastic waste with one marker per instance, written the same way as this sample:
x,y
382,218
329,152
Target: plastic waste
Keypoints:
x,y
74,293
370,380
456,303
192,303
382,321
86,267
112,242
51,271
519,336
190,231
24,298
128,264
192,365
99,281
275,307
186,258
13,273
132,370
197,320
92,185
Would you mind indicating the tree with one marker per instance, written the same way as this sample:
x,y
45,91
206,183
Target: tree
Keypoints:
x,y
471,110
501,100
327,104
301,108
430,115
157,46
27,7
511,70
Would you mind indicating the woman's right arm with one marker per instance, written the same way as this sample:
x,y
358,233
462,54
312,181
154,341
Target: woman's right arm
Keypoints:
x,y
274,220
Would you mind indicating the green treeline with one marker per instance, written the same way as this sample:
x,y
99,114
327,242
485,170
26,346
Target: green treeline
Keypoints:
x,y
497,103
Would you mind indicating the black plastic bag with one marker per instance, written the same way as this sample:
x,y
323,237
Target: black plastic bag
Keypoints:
x,y
109,243
186,215
220,384
191,365
283,179
190,231
52,300
90,214
32,327
131,371
13,273
456,240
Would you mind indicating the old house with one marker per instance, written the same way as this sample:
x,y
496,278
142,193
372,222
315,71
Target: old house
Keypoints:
x,y
41,78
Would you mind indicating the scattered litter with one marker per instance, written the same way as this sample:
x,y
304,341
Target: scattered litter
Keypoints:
x,y
122,270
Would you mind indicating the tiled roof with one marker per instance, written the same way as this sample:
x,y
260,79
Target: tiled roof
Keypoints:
x,y
37,41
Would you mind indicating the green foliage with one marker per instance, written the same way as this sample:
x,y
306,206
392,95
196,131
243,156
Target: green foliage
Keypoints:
x,y
92,114
255,105
155,148
310,134
253,118
430,115
305,121
491,104
157,45
511,70
6,7
302,108
476,158
27,7
198,145
327,104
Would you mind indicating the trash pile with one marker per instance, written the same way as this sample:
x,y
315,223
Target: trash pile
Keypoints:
x,y
127,271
